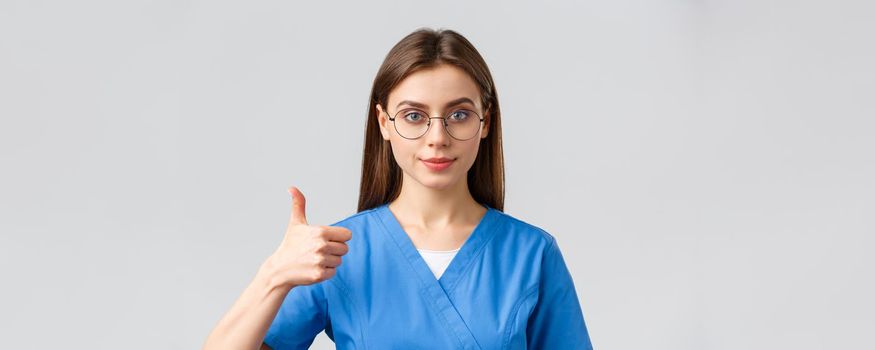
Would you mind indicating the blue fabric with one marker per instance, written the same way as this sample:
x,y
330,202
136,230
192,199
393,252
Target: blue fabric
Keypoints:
x,y
508,287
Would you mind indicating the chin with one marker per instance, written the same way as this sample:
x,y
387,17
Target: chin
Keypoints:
x,y
432,182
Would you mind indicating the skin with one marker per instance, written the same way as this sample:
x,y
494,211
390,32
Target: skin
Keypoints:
x,y
308,254
436,209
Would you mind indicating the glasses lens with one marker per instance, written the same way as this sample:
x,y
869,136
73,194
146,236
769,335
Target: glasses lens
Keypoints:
x,y
463,124
411,123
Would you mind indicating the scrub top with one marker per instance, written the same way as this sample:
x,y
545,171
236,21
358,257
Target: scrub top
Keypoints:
x,y
508,287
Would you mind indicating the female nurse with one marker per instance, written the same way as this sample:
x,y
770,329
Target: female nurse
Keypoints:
x,y
430,260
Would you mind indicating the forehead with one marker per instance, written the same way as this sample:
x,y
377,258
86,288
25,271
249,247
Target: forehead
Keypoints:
x,y
435,87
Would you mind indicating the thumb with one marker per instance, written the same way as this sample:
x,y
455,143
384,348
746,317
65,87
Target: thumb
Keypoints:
x,y
298,207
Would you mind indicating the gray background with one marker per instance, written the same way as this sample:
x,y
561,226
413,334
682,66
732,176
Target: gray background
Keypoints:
x,y
707,166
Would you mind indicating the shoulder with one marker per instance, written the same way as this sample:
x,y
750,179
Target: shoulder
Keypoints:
x,y
525,229
515,234
357,218
362,224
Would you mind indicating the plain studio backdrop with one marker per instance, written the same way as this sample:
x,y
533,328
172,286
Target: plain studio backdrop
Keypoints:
x,y
708,167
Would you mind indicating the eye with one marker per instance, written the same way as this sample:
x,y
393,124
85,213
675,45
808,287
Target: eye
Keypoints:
x,y
460,115
413,116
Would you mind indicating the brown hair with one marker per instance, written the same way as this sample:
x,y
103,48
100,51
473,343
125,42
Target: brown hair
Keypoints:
x,y
426,48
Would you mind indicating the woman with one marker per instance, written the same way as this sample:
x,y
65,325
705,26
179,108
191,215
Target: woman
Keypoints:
x,y
430,260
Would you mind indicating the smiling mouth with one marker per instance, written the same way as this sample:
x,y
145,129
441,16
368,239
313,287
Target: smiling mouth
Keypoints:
x,y
439,164
437,161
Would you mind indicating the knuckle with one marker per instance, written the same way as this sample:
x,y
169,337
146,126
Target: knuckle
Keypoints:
x,y
316,276
315,259
313,232
322,231
321,245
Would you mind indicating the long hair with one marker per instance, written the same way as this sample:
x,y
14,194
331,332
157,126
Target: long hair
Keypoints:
x,y
426,48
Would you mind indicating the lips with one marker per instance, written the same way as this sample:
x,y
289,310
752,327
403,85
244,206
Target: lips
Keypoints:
x,y
437,164
438,160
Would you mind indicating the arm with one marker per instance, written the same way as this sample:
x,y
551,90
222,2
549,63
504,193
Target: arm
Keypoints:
x,y
245,324
556,321
284,305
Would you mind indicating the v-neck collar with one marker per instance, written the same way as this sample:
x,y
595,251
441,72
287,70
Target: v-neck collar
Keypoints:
x,y
437,291
469,249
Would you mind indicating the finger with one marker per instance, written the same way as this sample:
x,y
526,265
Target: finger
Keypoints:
x,y
337,233
329,272
298,215
336,248
331,261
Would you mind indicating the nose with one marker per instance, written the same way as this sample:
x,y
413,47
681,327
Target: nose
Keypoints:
x,y
437,133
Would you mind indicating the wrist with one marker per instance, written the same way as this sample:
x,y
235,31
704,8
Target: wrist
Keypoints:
x,y
270,277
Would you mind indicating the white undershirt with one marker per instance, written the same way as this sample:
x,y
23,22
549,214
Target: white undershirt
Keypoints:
x,y
438,260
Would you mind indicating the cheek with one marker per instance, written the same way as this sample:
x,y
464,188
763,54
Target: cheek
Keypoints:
x,y
403,154
470,153
473,148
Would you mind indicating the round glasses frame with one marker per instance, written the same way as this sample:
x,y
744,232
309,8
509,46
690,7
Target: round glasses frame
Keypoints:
x,y
428,127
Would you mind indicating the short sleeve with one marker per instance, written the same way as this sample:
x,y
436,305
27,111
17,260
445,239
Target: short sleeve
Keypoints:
x,y
556,321
302,315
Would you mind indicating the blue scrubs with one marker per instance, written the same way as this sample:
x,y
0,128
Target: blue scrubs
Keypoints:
x,y
507,288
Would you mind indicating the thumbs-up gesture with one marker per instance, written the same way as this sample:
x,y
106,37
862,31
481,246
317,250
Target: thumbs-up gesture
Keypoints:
x,y
308,254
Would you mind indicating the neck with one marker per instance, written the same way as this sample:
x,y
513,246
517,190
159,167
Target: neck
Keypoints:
x,y
432,208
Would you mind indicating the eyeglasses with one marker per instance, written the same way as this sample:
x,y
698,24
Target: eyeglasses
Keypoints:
x,y
461,124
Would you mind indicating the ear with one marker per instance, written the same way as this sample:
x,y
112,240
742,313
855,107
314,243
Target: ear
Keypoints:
x,y
383,121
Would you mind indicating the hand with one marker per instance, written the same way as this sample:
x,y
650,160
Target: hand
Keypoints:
x,y
308,254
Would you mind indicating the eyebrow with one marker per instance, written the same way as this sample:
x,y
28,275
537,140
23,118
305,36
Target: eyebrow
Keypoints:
x,y
457,101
